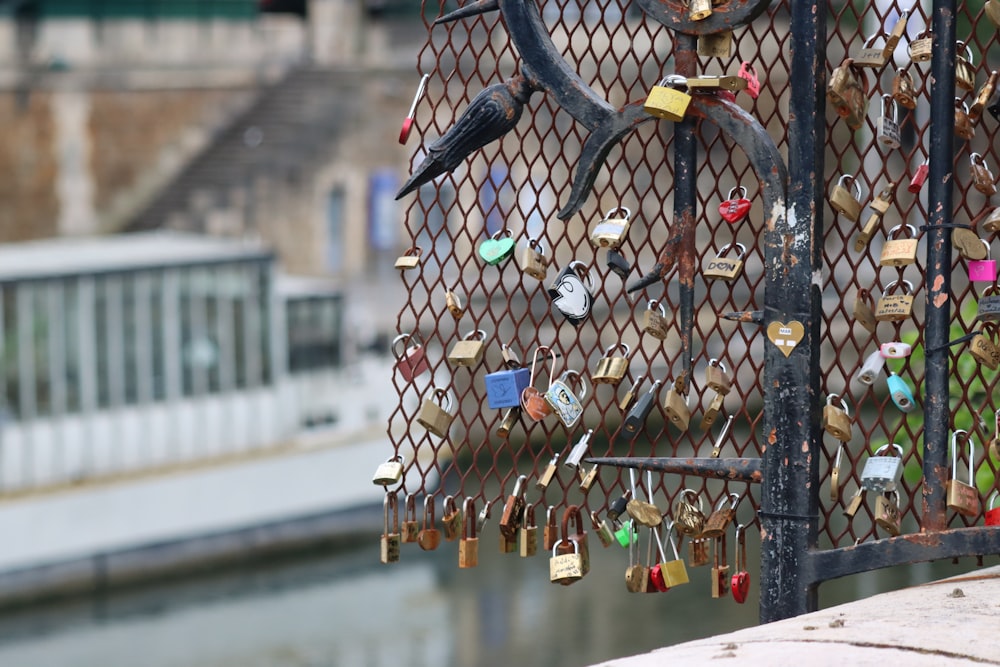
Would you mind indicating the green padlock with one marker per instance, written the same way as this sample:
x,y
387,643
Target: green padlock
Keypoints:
x,y
626,534
498,247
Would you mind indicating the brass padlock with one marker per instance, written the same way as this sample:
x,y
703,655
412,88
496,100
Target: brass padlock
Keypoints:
x,y
468,544
904,90
983,348
690,520
429,536
922,48
963,497
965,70
527,539
409,259
895,307
533,260
674,571
611,369
879,206
854,505
610,231
982,177
654,319
837,420
963,124
390,472
718,521
604,534
712,412
699,10
452,519
873,56
983,97
666,101
716,44
550,531
468,351
513,509
888,128
863,313
698,555
887,512
716,377
725,268
835,475
636,574
391,539
847,91
897,33
507,422
841,199
676,407
992,9
720,569
992,221
436,416
453,304
899,251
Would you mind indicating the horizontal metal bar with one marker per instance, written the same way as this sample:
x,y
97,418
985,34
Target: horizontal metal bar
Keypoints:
x,y
736,469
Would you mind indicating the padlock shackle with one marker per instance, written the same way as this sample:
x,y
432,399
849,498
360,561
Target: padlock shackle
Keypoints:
x,y
886,97
429,510
655,302
505,230
715,362
445,396
410,511
906,283
519,489
992,499
534,361
469,511
843,403
536,245
954,455
628,213
529,514
476,332
961,44
741,548
897,228
725,430
673,543
580,383
741,250
572,512
404,337
575,266
855,185
421,87
391,501
739,188
616,346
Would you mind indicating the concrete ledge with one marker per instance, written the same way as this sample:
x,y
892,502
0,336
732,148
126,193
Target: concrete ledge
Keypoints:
x,y
947,622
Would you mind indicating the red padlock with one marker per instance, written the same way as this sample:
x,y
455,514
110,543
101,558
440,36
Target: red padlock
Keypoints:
x,y
735,209
412,361
919,176
656,580
740,584
533,401
750,74
993,513
404,132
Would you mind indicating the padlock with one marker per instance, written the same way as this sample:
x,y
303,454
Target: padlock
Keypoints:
x,y
888,127
715,84
390,472
676,407
720,569
587,479
452,519
508,545
718,521
964,128
545,478
410,525
469,351
513,509
656,582
993,106
690,520
965,70
550,531
897,33
992,8
527,538
604,534
968,244
717,445
484,515
879,206
435,413
895,307
748,72
407,127
468,544
873,56
503,388
740,582
982,177
716,377
578,538
570,296
841,199
699,10
992,221
863,313
899,251
508,421
983,97
716,44
453,304
712,412
618,264
919,176
854,505
410,259
410,361
611,369
636,417
674,571
983,348
666,101
735,209
922,48
429,536
627,532
698,555
895,349
883,471
993,513
643,512
533,260
871,369
963,497
617,508
566,404
887,512
900,393
988,306
904,91
626,402
391,538
837,419
498,248
578,451
983,270
532,400
636,574
835,475
654,322
847,91
610,231
724,268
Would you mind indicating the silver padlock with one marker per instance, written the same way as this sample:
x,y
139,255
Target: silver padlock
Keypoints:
x,y
882,471
390,472
888,128
578,451
871,369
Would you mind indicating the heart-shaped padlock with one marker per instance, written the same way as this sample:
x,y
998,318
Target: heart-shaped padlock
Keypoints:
x,y
753,82
993,513
497,248
735,209
740,583
740,586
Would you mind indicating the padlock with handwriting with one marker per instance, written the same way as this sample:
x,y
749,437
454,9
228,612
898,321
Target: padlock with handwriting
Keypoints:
x,y
988,305
612,228
666,101
888,126
983,347
895,307
871,55
900,248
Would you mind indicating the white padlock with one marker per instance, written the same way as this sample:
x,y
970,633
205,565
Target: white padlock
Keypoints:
x,y
872,368
578,451
895,349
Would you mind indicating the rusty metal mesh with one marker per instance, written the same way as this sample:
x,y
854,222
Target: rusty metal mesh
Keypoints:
x,y
518,184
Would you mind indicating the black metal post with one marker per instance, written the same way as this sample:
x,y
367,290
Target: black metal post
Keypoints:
x,y
937,412
686,203
793,247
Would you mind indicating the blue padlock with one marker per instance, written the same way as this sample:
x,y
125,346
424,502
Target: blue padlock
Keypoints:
x,y
503,388
900,393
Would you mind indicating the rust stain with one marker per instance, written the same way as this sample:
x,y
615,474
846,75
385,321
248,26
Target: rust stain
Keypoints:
x,y
772,437
938,284
940,300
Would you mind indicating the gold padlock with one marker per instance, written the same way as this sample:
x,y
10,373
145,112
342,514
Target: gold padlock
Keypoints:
x,y
887,512
654,320
904,90
983,97
992,221
879,206
963,497
718,521
922,48
898,32
677,408
390,472
992,9
837,420
847,91
688,519
435,413
982,177
873,56
899,251
468,351
666,101
716,377
895,307
409,259
716,44
983,348
699,10
725,268
391,538
841,199
720,569
965,70
612,228
611,369
835,475
863,310
712,412
453,304
963,124
533,260
674,571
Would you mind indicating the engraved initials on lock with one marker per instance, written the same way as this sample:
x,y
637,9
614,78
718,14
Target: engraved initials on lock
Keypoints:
x,y
654,320
873,56
899,251
888,128
983,348
724,268
895,307
666,101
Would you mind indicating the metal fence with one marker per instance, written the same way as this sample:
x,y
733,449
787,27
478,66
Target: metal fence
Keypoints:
x,y
789,325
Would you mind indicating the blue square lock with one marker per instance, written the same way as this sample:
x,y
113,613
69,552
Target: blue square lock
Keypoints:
x,y
503,388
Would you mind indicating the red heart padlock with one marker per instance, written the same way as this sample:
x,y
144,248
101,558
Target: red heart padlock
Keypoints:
x,y
740,586
735,209
656,579
993,513
740,583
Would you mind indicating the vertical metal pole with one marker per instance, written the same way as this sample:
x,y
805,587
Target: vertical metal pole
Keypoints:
x,y
792,248
938,287
686,202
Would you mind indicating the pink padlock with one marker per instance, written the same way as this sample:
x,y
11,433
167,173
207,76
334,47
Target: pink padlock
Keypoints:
x,y
993,513
983,270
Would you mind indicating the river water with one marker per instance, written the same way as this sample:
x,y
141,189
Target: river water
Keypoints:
x,y
344,608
